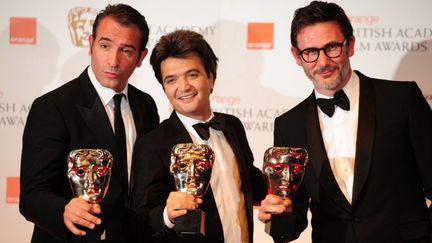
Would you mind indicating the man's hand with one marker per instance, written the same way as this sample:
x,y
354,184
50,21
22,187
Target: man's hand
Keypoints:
x,y
273,205
80,212
179,202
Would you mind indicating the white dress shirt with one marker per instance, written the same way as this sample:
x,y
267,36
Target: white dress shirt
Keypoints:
x,y
225,182
340,135
106,96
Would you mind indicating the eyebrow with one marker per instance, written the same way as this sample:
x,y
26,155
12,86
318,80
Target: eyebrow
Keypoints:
x,y
184,73
329,43
122,45
193,70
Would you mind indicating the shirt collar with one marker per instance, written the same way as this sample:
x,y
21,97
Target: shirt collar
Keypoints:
x,y
105,94
188,122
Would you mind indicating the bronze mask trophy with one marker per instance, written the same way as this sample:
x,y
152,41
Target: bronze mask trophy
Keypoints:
x,y
284,168
89,173
191,167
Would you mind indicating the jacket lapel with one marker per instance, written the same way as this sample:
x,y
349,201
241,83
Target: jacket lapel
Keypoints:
x,y
94,115
318,157
365,134
177,129
231,134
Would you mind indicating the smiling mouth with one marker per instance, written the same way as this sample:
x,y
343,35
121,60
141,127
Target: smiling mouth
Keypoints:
x,y
186,97
326,72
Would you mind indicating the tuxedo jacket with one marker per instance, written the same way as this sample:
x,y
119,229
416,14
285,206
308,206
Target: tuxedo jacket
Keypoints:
x,y
392,174
73,117
153,181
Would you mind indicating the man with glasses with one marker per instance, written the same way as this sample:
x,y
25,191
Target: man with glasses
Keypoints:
x,y
369,143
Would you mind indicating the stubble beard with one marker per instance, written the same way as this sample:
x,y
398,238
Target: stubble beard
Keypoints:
x,y
331,85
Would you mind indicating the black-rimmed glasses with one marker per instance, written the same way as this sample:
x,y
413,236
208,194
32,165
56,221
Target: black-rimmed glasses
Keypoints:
x,y
331,50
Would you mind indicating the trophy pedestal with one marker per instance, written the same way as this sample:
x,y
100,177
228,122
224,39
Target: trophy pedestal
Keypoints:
x,y
192,223
279,227
92,235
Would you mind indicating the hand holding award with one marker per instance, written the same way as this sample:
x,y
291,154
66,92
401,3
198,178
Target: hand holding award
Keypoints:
x,y
284,168
191,167
89,173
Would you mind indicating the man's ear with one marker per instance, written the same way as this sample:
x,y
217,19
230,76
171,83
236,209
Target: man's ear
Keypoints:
x,y
350,46
294,52
90,39
211,76
143,54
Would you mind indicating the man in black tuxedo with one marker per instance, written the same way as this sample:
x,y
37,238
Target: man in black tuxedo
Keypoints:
x,y
80,114
185,65
369,147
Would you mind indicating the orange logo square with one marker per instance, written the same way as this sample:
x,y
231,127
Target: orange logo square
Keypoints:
x,y
22,31
12,189
260,36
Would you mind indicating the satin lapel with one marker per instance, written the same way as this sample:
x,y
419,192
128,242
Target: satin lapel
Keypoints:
x,y
365,134
317,153
179,134
318,156
94,115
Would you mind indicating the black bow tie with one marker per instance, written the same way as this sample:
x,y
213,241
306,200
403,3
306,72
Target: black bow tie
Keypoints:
x,y
202,129
328,105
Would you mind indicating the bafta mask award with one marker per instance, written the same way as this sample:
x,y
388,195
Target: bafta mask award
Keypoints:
x,y
284,168
191,166
89,173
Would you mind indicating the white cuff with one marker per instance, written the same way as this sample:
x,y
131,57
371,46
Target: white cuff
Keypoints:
x,y
166,219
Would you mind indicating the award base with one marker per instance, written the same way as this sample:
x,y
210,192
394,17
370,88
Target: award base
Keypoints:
x,y
92,235
279,227
192,223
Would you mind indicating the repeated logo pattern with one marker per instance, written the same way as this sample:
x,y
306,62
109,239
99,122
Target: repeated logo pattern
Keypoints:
x,y
80,20
260,36
22,31
12,189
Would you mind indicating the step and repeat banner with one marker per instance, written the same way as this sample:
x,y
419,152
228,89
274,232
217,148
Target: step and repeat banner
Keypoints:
x,y
44,44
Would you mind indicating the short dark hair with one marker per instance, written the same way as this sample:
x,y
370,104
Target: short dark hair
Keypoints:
x,y
317,12
180,44
126,16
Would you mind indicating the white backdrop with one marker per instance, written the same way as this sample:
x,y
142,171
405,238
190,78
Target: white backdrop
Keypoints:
x,y
257,79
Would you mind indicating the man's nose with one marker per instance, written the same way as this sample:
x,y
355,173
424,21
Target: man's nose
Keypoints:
x,y
113,58
184,83
322,58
